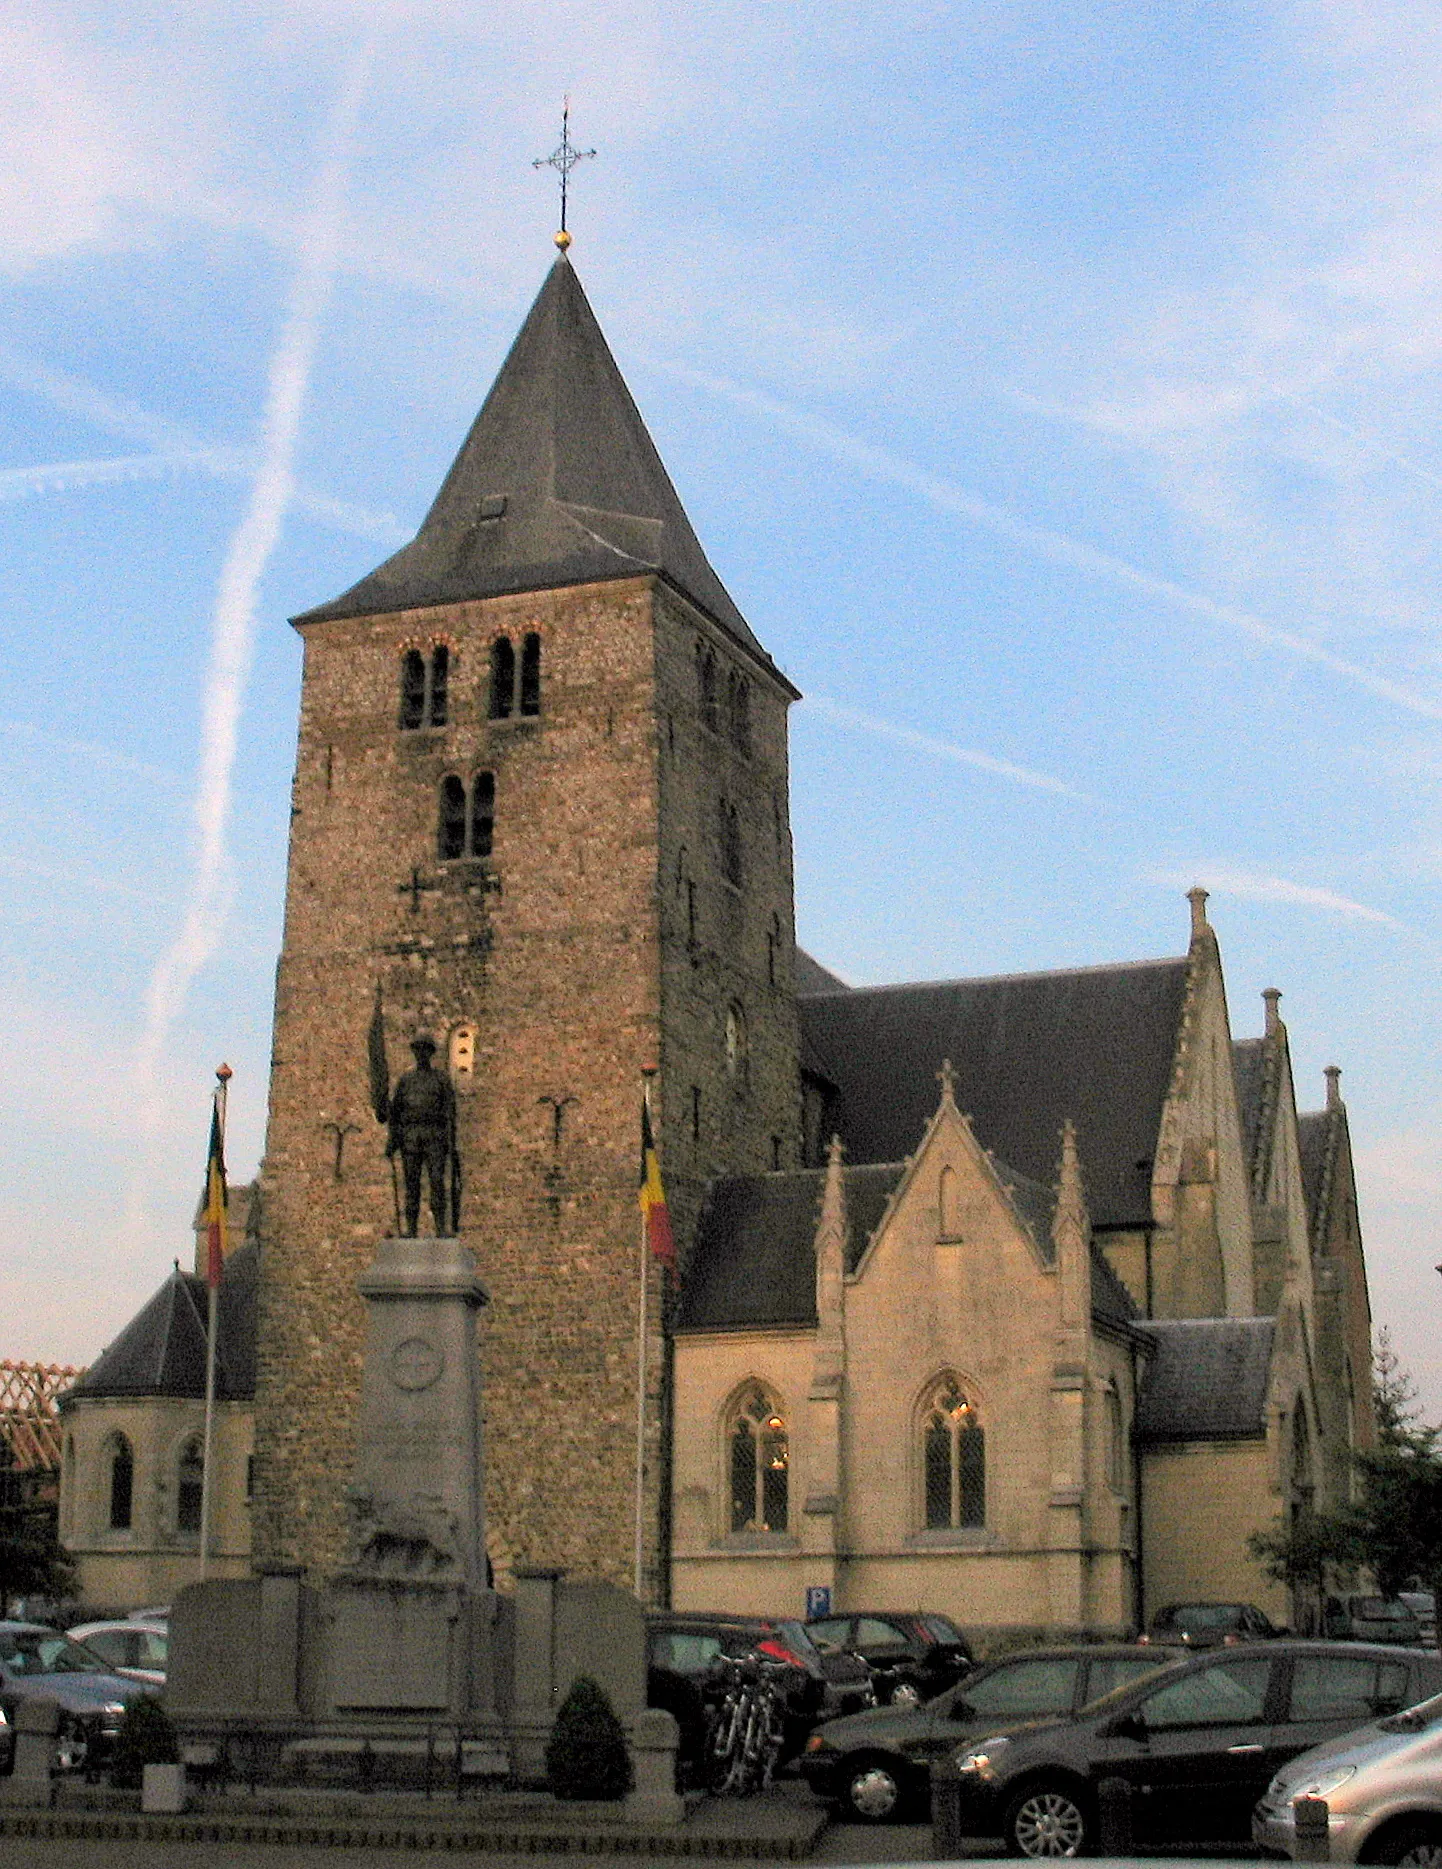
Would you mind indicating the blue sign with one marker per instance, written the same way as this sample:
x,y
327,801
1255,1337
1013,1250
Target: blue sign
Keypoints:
x,y
818,1599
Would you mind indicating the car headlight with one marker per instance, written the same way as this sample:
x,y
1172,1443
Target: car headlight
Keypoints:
x,y
984,1758
1326,1784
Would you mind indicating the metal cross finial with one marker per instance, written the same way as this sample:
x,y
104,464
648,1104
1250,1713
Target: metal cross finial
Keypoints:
x,y
563,159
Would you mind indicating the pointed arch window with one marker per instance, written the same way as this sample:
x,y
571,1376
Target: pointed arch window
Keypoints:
x,y
503,678
122,1484
738,708
729,825
953,1448
189,1486
758,1454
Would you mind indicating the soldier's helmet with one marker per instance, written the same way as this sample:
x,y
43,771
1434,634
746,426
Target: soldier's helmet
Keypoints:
x,y
423,1045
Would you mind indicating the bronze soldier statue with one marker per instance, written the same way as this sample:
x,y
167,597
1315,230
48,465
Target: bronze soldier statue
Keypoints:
x,y
423,1132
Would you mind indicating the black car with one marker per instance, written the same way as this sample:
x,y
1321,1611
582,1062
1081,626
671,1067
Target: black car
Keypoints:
x,y
1195,1747
682,1646
1210,1625
876,1765
37,1662
913,1654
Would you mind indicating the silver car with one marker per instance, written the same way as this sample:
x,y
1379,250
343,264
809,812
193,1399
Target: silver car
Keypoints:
x,y
1382,1786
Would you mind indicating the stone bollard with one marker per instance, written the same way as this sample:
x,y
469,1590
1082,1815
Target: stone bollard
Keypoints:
x,y
162,1789
36,1724
945,1811
1114,1816
1314,1833
654,1800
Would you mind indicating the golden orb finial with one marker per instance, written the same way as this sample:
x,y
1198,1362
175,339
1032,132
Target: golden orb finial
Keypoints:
x,y
563,239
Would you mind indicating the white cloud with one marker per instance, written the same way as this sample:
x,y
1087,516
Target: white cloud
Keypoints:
x,y
1250,886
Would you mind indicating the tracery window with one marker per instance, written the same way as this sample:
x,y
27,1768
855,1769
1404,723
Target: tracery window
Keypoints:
x,y
953,1445
759,1457
425,688
189,1486
122,1484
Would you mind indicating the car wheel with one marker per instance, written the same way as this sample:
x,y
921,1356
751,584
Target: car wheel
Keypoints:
x,y
72,1746
906,1694
1419,1845
873,1790
1046,1820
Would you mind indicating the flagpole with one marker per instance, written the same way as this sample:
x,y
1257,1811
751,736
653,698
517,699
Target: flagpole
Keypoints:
x,y
641,1384
223,1077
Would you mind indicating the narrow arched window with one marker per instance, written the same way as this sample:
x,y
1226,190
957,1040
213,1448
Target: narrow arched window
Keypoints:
x,y
730,835
189,1486
759,1456
413,689
738,699
706,687
503,678
531,674
440,685
122,1484
483,814
738,1057
953,1445
451,826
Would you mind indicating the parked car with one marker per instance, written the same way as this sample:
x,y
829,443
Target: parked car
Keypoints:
x,y
1197,1746
1383,1789
877,1765
39,1662
1209,1625
681,1647
137,1650
913,1654
1361,1618
1423,1605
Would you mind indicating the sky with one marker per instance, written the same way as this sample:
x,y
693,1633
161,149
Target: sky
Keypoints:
x,y
1055,387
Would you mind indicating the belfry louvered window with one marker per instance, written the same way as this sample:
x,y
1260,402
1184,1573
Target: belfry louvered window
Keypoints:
x,y
466,818
503,678
425,688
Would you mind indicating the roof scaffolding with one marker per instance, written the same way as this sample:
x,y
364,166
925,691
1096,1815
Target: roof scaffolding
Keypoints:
x,y
29,1418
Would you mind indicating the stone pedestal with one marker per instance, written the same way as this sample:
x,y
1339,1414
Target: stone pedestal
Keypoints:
x,y
409,1614
37,1722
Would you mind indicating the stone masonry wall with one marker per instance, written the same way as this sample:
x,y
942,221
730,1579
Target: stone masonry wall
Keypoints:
x,y
552,951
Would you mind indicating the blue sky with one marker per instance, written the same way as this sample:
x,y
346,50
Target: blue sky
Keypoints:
x,y
1055,387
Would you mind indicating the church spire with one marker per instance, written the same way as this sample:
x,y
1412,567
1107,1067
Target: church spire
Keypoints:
x,y
558,483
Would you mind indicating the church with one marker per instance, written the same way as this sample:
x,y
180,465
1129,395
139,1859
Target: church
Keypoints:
x,y
1022,1299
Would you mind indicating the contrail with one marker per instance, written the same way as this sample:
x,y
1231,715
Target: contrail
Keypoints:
x,y
945,749
882,465
233,624
1248,886
20,483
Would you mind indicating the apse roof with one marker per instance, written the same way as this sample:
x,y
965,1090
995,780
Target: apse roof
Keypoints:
x,y
1095,1044
161,1351
557,483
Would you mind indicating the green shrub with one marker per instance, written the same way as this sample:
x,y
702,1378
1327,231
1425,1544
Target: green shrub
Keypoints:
x,y
586,1756
146,1737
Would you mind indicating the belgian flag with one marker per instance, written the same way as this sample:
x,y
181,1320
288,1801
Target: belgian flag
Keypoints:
x,y
217,1200
654,1214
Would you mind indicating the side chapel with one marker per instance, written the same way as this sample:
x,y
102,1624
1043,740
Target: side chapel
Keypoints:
x,y
1021,1299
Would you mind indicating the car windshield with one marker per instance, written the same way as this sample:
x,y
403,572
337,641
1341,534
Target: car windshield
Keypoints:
x,y
46,1651
1380,1609
1418,1719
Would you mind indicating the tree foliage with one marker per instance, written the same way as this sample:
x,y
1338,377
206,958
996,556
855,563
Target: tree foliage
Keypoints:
x,y
1399,1511
1314,1552
33,1562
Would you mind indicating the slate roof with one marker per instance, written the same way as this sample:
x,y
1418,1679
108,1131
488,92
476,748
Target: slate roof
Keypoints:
x,y
812,977
1207,1380
557,483
1028,1050
1249,1074
161,1351
754,1266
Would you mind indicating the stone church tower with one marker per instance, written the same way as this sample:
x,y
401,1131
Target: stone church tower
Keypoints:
x,y
539,812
